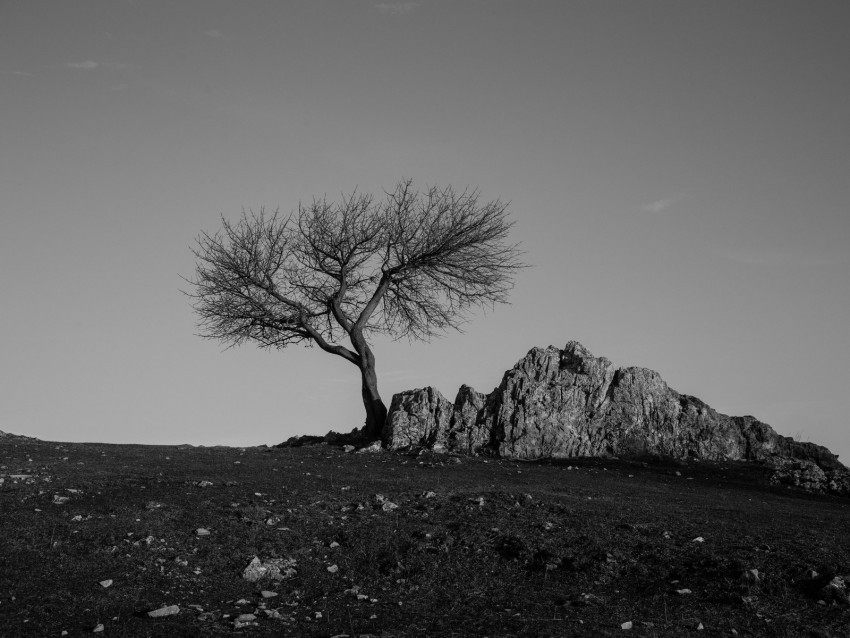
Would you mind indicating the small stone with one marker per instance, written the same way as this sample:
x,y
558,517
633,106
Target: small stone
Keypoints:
x,y
684,592
333,545
626,625
274,569
169,610
204,483
268,594
97,628
388,506
318,615
836,590
698,539
751,576
333,569
429,494
246,618
60,500
700,627
106,583
202,532
371,448
348,449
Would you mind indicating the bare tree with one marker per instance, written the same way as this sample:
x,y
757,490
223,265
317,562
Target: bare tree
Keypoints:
x,y
408,265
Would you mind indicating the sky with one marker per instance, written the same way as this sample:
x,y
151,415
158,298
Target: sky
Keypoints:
x,y
678,173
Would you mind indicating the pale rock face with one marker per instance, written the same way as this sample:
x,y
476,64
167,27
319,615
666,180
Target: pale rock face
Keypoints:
x,y
420,417
564,403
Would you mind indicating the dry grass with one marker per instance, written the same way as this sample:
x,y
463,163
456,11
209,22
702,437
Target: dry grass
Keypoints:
x,y
552,551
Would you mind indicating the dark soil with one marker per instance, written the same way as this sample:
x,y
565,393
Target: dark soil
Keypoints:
x,y
500,548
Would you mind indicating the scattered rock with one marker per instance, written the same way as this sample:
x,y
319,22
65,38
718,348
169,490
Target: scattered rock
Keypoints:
x,y
751,577
273,569
204,483
268,594
348,449
808,475
202,531
106,583
835,591
626,625
60,500
169,610
373,447
243,618
97,628
333,569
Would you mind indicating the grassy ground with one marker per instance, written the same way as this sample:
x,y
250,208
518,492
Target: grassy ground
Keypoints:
x,y
473,548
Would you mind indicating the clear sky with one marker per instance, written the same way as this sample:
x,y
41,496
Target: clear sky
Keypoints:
x,y
679,174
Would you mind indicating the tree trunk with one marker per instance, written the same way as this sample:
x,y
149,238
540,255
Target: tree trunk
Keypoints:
x,y
376,411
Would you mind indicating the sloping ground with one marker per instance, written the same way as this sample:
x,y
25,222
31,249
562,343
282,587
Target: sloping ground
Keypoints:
x,y
388,544
567,403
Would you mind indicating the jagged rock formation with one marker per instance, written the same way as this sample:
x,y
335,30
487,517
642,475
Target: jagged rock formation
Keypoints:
x,y
565,403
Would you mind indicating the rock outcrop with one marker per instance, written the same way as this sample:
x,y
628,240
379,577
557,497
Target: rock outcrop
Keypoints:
x,y
566,403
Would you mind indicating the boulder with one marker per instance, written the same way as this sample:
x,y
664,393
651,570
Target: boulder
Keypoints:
x,y
566,403
418,417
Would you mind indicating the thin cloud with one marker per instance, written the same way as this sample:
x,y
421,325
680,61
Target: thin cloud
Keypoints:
x,y
23,74
775,258
659,206
397,8
90,65
215,33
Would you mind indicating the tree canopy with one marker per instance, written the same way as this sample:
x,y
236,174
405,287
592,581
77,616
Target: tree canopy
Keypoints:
x,y
410,264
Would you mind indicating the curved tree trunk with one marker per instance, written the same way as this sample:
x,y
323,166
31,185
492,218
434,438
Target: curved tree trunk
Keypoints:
x,y
376,411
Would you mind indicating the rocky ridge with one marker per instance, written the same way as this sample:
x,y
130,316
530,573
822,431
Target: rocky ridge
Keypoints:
x,y
567,403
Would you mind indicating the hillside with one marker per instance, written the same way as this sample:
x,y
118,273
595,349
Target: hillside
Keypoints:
x,y
388,544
